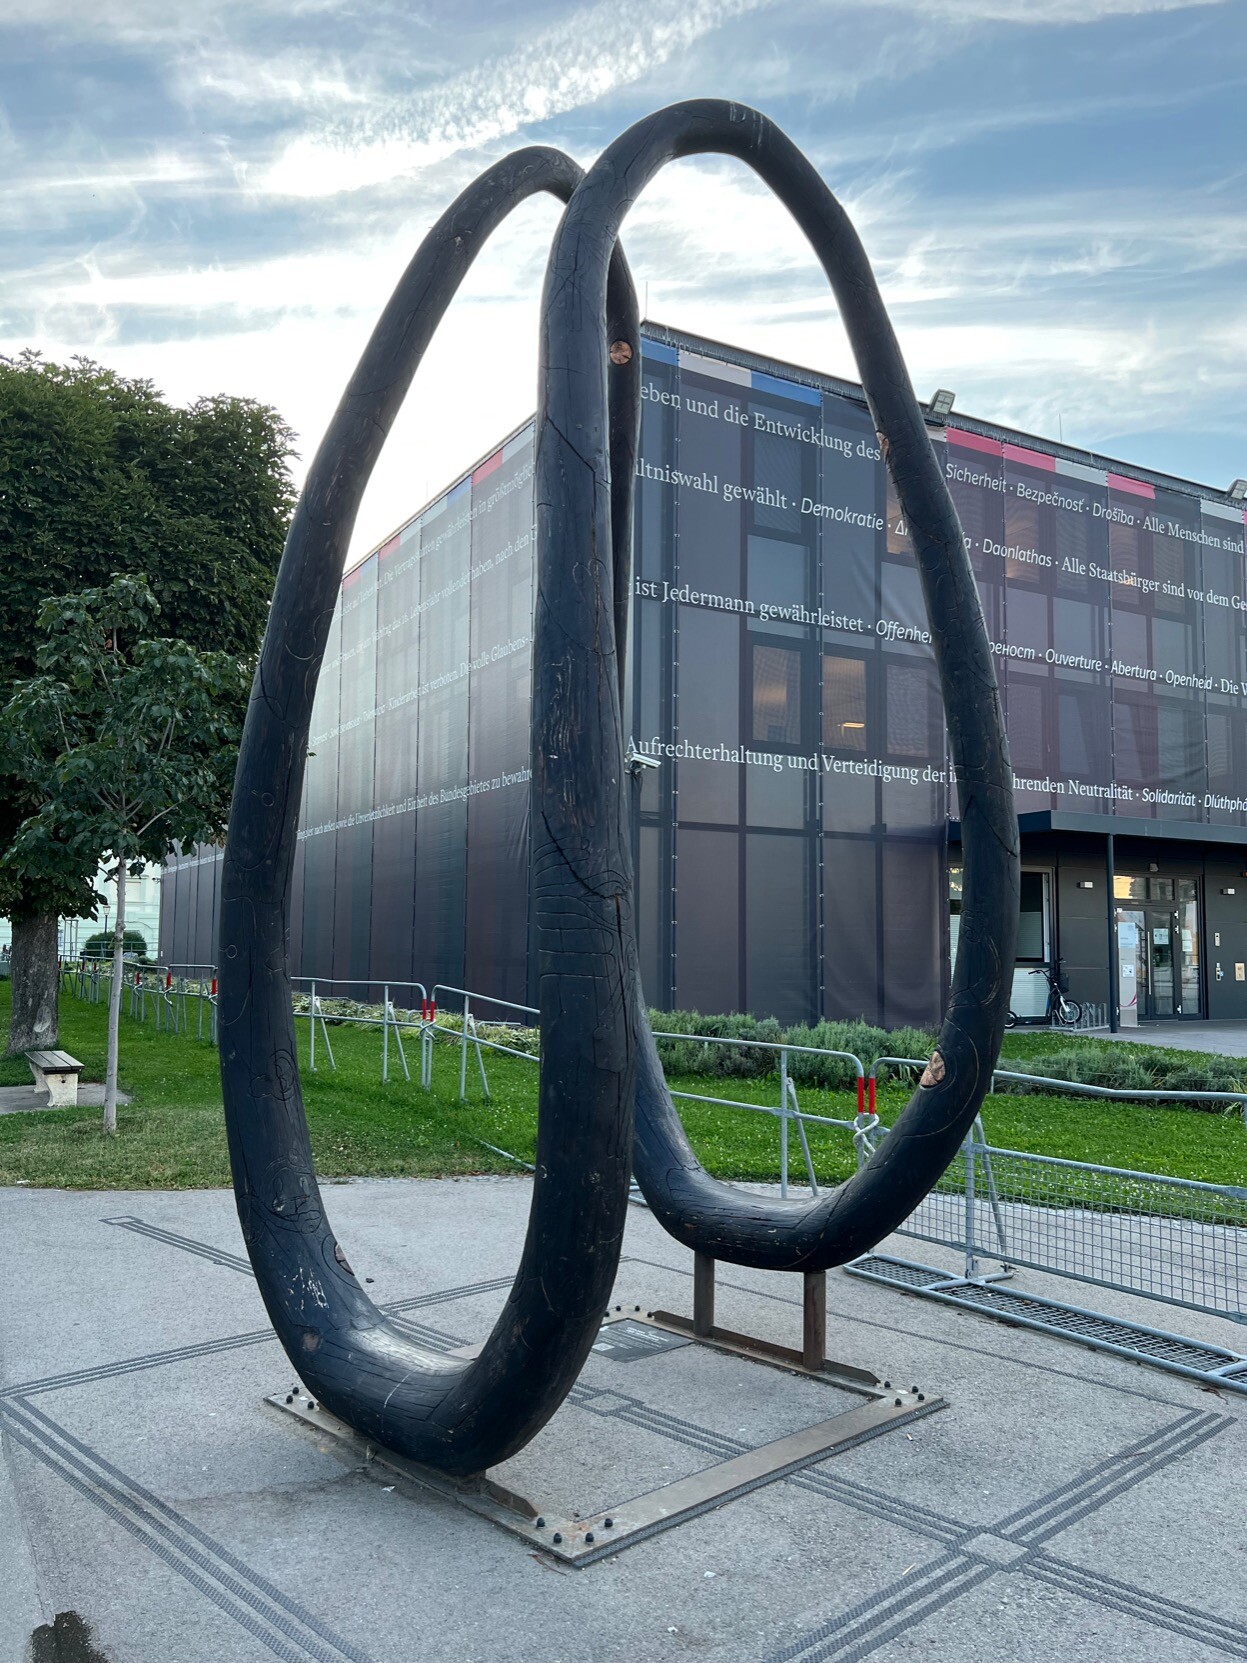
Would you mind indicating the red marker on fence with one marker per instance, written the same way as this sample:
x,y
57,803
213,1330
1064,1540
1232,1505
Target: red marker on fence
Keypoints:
x,y
861,1094
168,979
872,1094
213,987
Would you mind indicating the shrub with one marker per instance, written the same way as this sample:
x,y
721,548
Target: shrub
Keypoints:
x,y
100,945
1126,1067
859,1038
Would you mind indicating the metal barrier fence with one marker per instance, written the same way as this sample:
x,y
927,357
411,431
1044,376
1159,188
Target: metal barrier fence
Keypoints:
x,y
389,1021
1174,1240
159,991
788,1111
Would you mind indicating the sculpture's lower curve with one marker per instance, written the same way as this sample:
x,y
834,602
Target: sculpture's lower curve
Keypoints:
x,y
460,1416
572,436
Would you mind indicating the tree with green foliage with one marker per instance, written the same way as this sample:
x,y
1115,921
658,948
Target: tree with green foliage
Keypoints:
x,y
99,474
130,741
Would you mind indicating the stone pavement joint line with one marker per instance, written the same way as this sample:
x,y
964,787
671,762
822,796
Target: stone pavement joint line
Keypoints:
x,y
202,1250
1015,1545
218,1574
1220,1633
973,1551
231,1342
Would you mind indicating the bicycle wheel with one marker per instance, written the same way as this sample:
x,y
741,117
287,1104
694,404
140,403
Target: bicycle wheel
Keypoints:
x,y
1011,1020
1069,1011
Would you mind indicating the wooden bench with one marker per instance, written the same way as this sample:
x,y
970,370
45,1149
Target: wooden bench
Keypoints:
x,y
56,1072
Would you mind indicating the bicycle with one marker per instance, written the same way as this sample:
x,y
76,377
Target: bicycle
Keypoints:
x,y
1060,1007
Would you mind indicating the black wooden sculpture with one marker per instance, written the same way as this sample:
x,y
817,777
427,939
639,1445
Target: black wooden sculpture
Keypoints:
x,y
574,507
463,1417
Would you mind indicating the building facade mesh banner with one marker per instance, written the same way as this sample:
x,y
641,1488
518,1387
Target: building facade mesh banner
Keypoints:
x,y
792,845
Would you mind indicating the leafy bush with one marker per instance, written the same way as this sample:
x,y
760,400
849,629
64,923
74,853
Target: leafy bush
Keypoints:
x,y
1126,1066
100,945
1217,1074
1113,1064
686,1056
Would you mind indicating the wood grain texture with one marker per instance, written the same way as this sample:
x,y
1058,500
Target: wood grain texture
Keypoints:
x,y
574,523
461,1417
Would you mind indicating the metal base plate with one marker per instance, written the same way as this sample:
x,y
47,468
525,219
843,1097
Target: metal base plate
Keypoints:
x,y
580,1541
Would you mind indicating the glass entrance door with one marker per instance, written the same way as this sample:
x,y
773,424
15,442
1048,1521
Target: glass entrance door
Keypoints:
x,y
1160,990
1158,946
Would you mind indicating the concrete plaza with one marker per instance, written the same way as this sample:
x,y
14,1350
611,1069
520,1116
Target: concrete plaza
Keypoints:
x,y
1064,1504
1227,1039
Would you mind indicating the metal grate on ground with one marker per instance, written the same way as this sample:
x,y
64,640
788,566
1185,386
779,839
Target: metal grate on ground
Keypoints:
x,y
1209,1364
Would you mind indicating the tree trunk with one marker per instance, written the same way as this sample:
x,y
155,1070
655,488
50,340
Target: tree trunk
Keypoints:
x,y
35,969
114,1003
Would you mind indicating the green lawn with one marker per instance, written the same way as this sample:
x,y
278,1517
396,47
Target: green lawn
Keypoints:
x,y
172,1134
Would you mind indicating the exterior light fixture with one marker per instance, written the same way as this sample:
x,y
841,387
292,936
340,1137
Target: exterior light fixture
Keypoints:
x,y
845,726
942,402
1238,490
1153,867
1227,892
1086,883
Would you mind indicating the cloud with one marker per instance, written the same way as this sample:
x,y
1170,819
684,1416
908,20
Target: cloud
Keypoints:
x,y
578,62
237,222
1054,13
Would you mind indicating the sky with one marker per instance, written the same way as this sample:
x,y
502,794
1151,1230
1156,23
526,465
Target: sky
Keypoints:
x,y
219,195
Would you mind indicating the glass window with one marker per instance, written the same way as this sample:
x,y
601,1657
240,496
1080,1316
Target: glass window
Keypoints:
x,y
780,967
778,577
707,918
776,695
777,469
1025,725
1033,919
914,711
844,703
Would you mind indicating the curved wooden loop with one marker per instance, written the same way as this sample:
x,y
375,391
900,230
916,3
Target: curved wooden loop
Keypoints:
x,y
458,1416
574,508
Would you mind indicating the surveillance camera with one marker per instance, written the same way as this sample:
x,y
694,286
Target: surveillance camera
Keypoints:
x,y
637,761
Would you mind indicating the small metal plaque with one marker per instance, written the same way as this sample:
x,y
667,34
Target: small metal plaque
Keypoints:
x,y
626,1341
